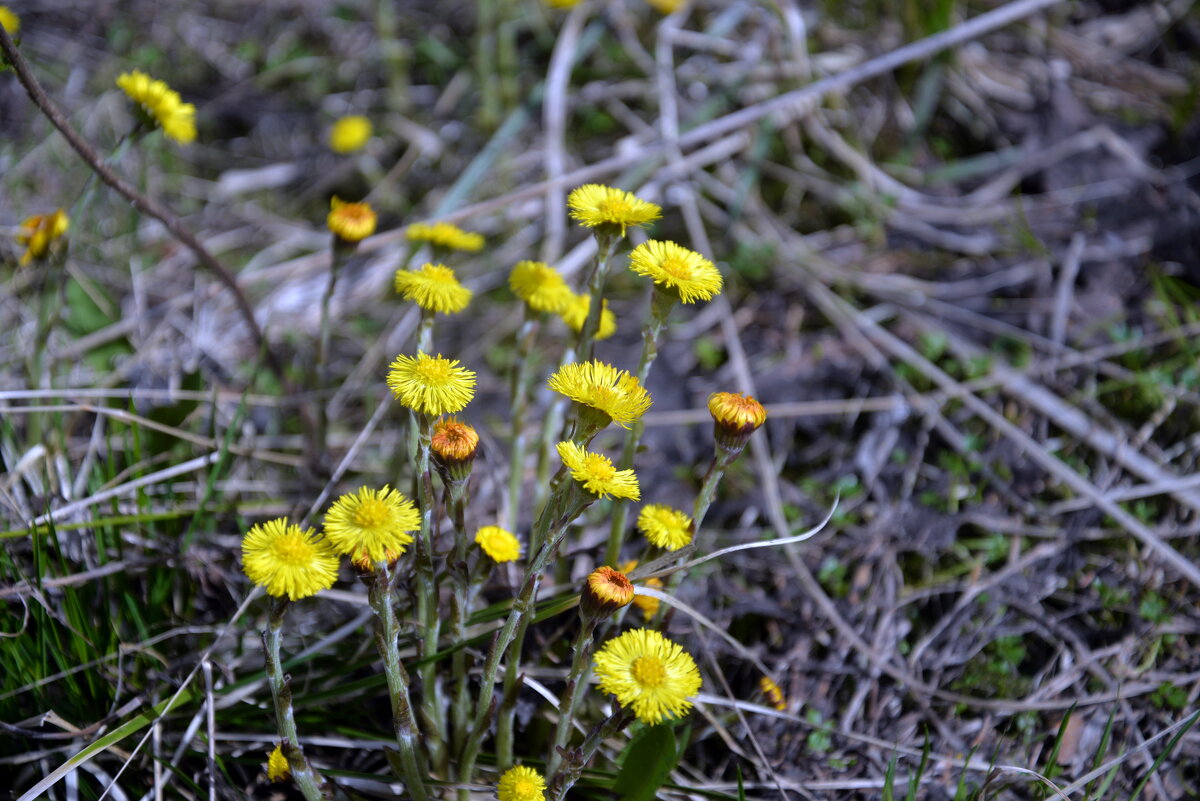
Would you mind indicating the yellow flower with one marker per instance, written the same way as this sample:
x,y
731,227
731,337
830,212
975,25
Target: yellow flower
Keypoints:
x,y
665,527
374,523
605,591
648,604
433,287
286,560
10,21
350,222
499,544
521,784
598,206
597,474
349,134
453,442
666,6
576,311
176,118
432,385
684,272
771,690
735,417
540,286
649,674
278,769
38,233
601,386
562,3
445,235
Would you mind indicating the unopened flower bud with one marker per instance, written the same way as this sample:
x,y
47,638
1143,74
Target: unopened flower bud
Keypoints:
x,y
605,591
735,418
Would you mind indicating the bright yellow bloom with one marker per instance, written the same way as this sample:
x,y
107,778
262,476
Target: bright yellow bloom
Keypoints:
x,y
499,544
278,769
774,695
9,21
607,208
540,286
683,271
666,6
350,222
349,134
597,474
176,118
562,3
735,411
648,604
445,235
576,311
433,287
38,233
647,673
665,527
432,385
376,522
521,784
286,560
602,386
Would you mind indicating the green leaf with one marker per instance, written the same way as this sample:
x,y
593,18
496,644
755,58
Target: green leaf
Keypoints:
x,y
646,762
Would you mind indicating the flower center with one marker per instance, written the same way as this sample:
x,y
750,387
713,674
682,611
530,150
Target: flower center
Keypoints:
x,y
600,467
292,549
434,371
676,268
648,671
613,208
371,513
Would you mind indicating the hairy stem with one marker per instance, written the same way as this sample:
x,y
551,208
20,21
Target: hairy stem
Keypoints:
x,y
306,776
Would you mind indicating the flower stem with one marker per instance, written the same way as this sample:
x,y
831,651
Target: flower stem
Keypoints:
x,y
562,780
306,776
433,716
606,244
460,607
383,603
573,691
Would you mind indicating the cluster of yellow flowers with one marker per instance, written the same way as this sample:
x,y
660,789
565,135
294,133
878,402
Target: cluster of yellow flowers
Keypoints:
x,y
162,104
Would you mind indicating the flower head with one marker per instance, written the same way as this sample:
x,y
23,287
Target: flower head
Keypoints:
x,y
735,418
159,101
349,134
648,604
372,523
605,591
597,474
445,235
676,269
431,384
433,287
278,769
771,690
286,560
453,442
521,784
39,232
666,6
601,386
610,209
665,527
9,21
648,673
540,286
575,314
498,543
350,222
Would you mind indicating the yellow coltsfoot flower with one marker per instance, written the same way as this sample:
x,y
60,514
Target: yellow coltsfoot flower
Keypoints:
x,y
521,784
9,21
649,674
40,232
454,444
431,384
278,769
676,269
285,560
595,472
575,314
540,286
445,235
350,222
774,695
602,387
349,134
647,604
610,210
162,104
433,287
498,543
735,418
605,591
665,527
373,525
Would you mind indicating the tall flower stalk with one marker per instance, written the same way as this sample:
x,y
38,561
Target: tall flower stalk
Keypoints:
x,y
305,775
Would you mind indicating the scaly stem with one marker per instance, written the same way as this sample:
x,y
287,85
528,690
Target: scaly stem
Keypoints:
x,y
606,245
519,403
383,603
425,332
460,607
433,717
572,694
565,777
306,776
661,303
